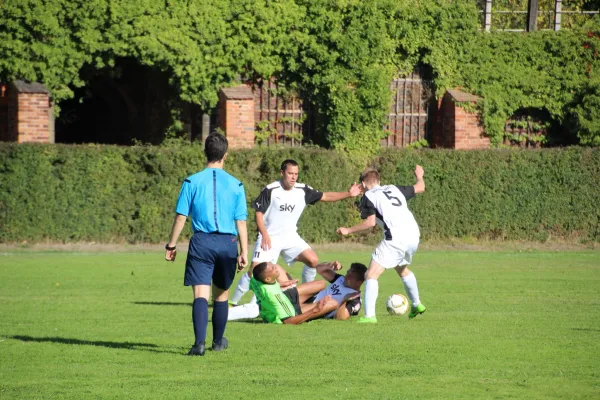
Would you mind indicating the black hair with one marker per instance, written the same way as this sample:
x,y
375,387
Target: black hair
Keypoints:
x,y
359,269
215,147
259,272
285,163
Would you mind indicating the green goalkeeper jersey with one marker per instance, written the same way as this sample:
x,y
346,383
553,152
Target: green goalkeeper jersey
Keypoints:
x,y
273,303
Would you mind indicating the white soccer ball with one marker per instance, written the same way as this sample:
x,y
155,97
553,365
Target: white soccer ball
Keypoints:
x,y
397,304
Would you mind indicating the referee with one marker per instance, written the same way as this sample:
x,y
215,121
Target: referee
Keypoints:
x,y
217,204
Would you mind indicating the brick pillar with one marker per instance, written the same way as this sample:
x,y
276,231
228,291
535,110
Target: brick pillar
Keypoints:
x,y
458,128
30,113
236,116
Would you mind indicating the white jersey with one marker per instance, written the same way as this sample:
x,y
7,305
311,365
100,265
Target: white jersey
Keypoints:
x,y
282,208
388,204
337,290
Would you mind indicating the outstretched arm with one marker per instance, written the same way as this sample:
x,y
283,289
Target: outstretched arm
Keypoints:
x,y
323,307
328,270
367,223
335,196
420,185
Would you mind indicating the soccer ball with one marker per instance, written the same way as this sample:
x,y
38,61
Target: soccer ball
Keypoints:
x,y
397,304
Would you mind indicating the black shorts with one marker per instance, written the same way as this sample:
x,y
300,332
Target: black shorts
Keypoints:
x,y
292,295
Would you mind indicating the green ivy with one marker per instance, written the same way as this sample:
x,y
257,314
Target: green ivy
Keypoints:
x,y
340,55
552,71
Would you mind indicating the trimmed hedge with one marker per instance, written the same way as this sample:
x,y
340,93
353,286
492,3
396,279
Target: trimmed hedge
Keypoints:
x,y
113,194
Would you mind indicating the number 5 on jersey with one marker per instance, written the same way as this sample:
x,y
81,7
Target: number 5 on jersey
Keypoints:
x,y
393,198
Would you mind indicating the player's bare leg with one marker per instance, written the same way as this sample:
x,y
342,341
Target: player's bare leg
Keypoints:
x,y
201,291
310,260
309,289
412,290
371,291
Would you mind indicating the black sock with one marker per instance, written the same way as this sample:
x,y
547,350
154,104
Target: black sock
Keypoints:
x,y
200,319
219,320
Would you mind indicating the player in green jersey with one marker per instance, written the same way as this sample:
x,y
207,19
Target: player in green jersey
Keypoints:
x,y
277,306
281,303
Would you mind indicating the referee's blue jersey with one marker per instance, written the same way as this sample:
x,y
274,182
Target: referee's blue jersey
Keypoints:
x,y
214,199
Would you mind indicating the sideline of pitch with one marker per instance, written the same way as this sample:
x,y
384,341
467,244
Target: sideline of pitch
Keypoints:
x,y
468,244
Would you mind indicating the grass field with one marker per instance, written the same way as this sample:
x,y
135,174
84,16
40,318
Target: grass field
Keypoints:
x,y
499,325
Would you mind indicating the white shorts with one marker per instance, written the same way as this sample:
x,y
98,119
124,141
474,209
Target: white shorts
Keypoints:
x,y
390,254
289,248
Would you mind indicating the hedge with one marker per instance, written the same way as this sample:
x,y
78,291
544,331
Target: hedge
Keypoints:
x,y
63,193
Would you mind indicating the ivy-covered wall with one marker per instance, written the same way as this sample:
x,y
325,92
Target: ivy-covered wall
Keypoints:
x,y
112,194
339,54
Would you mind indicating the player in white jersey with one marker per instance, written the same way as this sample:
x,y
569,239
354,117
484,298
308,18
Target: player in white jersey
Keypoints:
x,y
344,289
386,206
278,209
343,292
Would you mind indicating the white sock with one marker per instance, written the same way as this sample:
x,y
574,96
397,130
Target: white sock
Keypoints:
x,y
241,289
253,300
243,312
308,274
371,293
412,290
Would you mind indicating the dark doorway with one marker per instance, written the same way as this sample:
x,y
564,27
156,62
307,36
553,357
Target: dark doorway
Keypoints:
x,y
120,105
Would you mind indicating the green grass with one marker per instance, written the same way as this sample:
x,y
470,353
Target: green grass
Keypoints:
x,y
499,325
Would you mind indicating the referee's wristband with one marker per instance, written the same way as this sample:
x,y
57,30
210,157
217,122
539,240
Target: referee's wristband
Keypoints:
x,y
170,248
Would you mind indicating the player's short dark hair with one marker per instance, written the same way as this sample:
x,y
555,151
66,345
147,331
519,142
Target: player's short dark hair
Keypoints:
x,y
285,164
359,270
215,147
259,272
370,175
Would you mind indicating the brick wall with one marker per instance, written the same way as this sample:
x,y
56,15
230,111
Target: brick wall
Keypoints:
x,y
457,128
33,117
236,116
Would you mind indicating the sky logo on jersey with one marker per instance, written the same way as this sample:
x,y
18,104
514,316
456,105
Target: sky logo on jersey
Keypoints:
x,y
286,207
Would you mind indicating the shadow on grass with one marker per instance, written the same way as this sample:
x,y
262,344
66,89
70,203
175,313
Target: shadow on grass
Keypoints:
x,y
247,321
586,329
112,345
164,303
161,303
